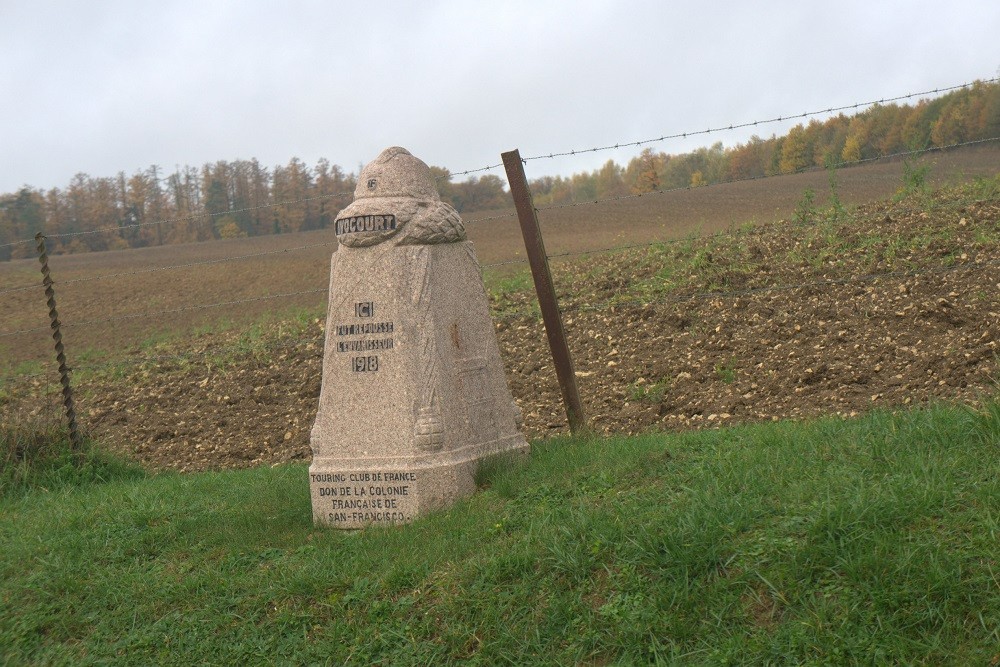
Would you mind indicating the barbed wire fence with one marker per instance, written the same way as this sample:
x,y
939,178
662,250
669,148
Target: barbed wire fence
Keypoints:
x,y
616,301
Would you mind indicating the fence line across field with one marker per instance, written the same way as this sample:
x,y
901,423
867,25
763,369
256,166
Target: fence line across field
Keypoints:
x,y
731,126
502,216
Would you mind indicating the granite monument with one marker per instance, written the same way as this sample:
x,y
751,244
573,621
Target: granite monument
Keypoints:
x,y
413,394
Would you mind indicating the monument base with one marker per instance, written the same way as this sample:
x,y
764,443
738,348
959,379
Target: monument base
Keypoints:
x,y
355,494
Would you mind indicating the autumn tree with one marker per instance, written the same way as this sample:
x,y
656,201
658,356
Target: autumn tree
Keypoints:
x,y
750,160
796,153
643,172
21,217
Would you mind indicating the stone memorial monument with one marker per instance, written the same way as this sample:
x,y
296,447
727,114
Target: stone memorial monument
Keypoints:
x,y
413,393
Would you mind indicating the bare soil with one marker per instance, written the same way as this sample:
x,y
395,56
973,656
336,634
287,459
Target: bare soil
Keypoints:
x,y
892,305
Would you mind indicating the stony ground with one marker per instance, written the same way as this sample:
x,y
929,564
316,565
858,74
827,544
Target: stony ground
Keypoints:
x,y
892,304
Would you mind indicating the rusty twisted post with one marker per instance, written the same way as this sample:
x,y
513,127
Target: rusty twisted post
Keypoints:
x,y
542,276
67,392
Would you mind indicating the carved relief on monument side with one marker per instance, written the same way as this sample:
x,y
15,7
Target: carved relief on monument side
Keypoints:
x,y
428,429
396,194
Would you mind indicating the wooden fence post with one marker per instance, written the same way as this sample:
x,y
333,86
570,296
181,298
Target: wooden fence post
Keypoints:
x,y
539,262
67,392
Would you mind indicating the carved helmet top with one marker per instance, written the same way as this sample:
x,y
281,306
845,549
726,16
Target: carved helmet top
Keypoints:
x,y
397,190
396,173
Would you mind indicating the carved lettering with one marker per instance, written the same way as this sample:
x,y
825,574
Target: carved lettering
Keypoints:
x,y
365,223
362,329
364,345
367,364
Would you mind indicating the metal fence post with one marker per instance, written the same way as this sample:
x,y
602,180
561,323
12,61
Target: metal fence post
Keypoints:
x,y
539,262
67,392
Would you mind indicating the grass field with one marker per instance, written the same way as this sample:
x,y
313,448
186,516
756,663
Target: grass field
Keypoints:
x,y
830,542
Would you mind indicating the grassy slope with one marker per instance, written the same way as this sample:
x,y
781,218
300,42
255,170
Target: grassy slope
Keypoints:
x,y
871,540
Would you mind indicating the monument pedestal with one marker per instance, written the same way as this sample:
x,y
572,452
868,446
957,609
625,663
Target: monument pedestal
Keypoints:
x,y
414,393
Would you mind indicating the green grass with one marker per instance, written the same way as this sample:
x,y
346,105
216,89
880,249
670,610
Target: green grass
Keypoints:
x,y
36,454
832,542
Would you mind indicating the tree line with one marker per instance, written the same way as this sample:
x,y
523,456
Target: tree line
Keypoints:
x,y
220,200
245,198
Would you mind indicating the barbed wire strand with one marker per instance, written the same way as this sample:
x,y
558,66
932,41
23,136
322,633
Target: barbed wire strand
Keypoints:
x,y
193,216
221,260
684,135
170,311
14,243
22,288
449,175
492,217
148,359
733,126
507,262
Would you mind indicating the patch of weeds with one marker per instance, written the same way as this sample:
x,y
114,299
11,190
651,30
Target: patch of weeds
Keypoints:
x,y
805,210
703,261
836,211
507,284
982,187
914,180
686,246
985,236
26,368
726,371
36,452
651,393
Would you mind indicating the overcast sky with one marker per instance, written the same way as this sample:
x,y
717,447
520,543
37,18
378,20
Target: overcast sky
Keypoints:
x,y
107,86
